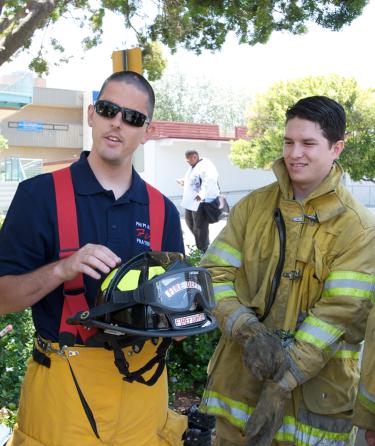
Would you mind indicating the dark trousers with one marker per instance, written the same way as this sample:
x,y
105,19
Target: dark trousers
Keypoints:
x,y
198,225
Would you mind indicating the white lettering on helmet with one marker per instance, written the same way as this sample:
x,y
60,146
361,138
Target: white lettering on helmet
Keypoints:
x,y
187,284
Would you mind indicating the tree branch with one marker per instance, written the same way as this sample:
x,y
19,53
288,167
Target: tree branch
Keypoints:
x,y
17,34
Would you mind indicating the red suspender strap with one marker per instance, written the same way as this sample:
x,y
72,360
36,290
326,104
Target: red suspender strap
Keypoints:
x,y
156,209
74,298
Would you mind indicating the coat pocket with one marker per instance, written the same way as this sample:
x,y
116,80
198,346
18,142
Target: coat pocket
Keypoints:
x,y
334,389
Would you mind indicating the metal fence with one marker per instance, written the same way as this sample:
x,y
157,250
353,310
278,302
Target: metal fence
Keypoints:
x,y
19,169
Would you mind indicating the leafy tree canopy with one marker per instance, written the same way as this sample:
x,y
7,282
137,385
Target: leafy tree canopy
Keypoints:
x,y
193,24
267,122
179,98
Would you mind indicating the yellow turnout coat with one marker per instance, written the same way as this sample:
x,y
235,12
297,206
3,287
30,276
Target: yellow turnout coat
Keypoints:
x,y
317,258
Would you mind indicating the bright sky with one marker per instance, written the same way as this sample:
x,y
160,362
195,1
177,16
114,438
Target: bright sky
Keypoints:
x,y
319,52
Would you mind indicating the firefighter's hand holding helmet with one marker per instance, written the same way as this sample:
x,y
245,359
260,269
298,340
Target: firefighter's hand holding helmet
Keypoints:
x,y
267,417
90,260
263,353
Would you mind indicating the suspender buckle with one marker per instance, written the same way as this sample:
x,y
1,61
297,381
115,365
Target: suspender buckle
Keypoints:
x,y
46,346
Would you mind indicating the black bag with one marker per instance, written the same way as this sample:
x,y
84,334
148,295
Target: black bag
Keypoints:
x,y
224,206
214,210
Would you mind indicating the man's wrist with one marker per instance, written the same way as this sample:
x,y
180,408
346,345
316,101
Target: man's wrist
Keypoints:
x,y
243,325
288,382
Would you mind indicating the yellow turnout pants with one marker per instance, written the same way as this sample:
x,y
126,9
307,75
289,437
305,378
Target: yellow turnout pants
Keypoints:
x,y
126,414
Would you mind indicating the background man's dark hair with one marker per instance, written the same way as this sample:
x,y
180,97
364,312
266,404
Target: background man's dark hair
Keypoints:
x,y
329,114
190,152
138,81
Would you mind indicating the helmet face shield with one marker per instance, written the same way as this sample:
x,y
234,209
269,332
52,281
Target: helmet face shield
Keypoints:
x,y
180,290
155,294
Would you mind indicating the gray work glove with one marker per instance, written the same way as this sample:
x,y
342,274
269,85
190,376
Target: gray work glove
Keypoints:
x,y
269,411
264,355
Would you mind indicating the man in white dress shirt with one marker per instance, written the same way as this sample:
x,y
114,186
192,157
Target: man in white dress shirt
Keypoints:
x,y
200,185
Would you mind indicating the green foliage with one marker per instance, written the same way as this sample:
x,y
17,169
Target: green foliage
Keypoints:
x,y
267,121
154,63
39,65
187,23
179,98
205,24
15,348
187,362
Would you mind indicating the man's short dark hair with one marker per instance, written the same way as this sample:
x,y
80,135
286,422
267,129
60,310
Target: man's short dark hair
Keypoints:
x,y
138,81
190,152
329,114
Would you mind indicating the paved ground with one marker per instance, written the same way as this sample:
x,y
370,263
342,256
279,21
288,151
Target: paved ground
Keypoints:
x,y
215,228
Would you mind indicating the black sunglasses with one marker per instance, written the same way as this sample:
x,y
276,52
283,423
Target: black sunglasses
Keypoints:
x,y
129,116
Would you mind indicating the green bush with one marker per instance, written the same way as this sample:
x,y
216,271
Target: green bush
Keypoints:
x,y
15,349
187,363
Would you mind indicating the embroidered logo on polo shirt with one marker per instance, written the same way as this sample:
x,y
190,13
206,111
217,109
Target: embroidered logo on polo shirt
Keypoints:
x,y
142,233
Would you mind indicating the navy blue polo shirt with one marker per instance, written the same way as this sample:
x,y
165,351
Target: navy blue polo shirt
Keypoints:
x,y
29,236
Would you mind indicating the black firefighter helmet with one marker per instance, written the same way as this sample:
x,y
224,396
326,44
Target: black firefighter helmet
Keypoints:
x,y
155,294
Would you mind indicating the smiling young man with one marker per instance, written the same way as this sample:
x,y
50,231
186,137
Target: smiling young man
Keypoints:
x,y
294,275
73,393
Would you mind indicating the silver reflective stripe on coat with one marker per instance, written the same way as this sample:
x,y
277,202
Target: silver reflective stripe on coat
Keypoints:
x,y
231,319
223,289
319,333
366,398
222,254
348,351
351,284
307,430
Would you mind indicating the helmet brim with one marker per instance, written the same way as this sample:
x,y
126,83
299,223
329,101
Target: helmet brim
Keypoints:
x,y
115,329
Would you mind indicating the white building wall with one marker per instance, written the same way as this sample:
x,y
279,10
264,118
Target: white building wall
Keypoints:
x,y
164,162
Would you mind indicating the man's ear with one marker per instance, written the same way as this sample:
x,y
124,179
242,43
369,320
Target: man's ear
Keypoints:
x,y
150,131
338,147
90,115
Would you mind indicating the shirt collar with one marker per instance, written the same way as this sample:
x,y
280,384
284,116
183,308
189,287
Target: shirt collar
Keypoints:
x,y
85,182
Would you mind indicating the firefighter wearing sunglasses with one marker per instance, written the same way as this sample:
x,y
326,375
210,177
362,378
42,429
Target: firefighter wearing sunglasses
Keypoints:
x,y
63,233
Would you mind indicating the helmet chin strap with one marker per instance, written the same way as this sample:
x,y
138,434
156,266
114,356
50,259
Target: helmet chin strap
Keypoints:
x,y
159,359
117,343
